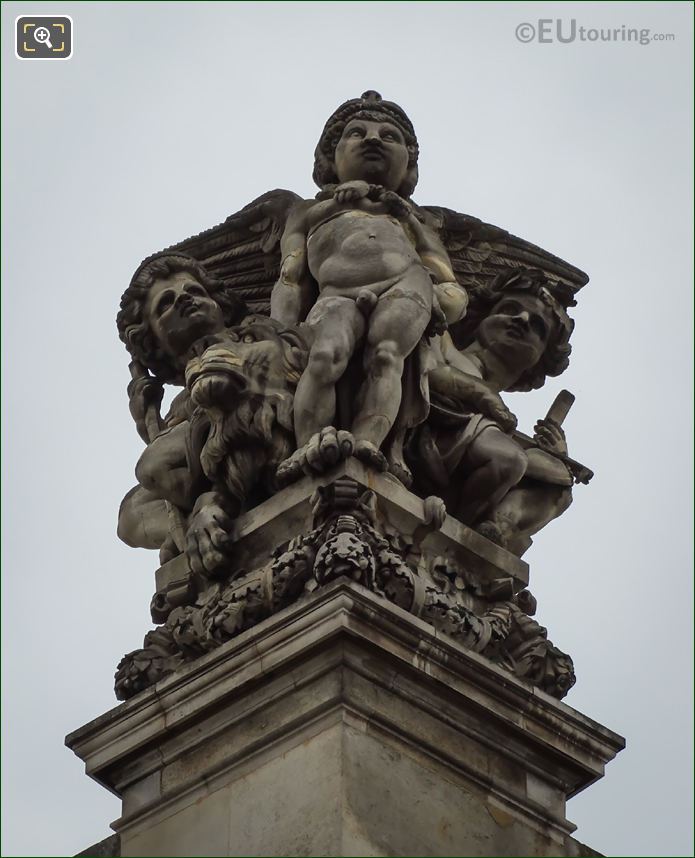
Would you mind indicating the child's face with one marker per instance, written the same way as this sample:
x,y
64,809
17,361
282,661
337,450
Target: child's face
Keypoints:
x,y
517,330
373,151
180,312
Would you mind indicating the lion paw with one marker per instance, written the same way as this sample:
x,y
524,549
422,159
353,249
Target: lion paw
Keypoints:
x,y
290,470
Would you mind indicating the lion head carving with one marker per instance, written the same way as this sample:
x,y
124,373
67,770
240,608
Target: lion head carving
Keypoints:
x,y
245,383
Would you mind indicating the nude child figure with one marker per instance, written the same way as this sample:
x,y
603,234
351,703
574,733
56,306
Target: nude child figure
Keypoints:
x,y
379,276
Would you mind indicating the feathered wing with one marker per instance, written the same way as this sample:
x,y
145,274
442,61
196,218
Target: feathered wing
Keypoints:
x,y
244,251
480,251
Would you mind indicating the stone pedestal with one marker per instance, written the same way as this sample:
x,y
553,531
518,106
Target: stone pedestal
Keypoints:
x,y
344,725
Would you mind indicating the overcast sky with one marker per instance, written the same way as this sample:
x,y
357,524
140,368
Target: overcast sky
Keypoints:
x,y
170,117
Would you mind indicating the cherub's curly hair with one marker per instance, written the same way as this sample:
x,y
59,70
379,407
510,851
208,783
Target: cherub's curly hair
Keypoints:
x,y
369,106
556,356
133,327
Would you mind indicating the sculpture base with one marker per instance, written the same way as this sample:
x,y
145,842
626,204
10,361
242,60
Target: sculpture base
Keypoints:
x,y
344,726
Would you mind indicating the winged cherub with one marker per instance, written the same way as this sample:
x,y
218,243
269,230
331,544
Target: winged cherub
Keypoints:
x,y
365,272
360,268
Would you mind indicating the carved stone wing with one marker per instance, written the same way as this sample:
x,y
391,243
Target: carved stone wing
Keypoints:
x,y
480,251
244,251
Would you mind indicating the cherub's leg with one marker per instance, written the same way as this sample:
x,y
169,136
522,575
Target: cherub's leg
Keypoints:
x,y
527,509
493,465
338,326
164,469
396,458
142,519
396,326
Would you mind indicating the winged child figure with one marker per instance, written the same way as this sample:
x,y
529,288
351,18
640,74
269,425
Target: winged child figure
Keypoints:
x,y
305,331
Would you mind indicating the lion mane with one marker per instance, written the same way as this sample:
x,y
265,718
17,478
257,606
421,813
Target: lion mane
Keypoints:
x,y
245,384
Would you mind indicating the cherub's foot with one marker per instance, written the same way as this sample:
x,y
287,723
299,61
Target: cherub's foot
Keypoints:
x,y
366,452
320,453
325,449
401,472
491,531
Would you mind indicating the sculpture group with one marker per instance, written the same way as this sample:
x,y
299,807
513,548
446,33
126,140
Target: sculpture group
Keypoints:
x,y
356,324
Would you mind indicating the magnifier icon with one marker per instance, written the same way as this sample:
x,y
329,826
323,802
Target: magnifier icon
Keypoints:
x,y
43,37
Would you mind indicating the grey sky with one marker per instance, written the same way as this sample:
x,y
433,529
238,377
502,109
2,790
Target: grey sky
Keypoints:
x,y
172,116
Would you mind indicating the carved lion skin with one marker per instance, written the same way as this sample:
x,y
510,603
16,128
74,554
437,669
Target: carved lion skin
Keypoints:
x,y
245,382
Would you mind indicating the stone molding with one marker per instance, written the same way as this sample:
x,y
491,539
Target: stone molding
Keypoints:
x,y
343,654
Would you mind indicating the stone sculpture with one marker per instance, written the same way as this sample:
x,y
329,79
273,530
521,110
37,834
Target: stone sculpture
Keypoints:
x,y
378,271
306,332
466,450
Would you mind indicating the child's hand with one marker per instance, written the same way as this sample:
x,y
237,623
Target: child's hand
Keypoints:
x,y
144,393
494,408
549,436
349,192
437,325
396,205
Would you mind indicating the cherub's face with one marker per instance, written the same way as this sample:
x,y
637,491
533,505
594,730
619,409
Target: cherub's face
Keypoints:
x,y
180,312
517,330
373,151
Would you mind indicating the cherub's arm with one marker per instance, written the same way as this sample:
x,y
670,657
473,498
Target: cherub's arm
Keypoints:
x,y
427,244
472,393
468,390
431,251
452,298
144,400
547,461
294,291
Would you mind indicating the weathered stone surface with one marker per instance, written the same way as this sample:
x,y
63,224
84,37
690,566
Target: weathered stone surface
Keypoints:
x,y
266,527
345,659
393,330
367,526
110,847
344,725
